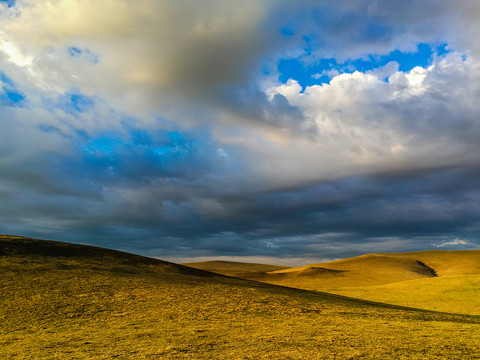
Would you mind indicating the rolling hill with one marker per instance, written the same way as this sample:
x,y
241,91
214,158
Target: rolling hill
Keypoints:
x,y
433,280
365,270
67,301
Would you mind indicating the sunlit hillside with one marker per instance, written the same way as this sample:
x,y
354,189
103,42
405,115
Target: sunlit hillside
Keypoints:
x,y
456,294
435,280
456,289
65,301
447,262
365,270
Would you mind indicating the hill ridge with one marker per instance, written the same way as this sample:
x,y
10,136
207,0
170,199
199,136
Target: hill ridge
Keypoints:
x,y
12,245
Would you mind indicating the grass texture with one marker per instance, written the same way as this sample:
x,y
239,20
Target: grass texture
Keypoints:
x,y
455,294
447,281
65,301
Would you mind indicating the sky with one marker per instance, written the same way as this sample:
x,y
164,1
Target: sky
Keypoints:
x,y
255,130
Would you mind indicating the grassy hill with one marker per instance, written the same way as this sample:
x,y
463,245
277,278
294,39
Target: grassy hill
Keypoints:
x,y
435,280
66,301
456,289
447,263
365,270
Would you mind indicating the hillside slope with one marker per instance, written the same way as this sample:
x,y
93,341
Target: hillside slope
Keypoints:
x,y
362,270
234,268
447,262
366,270
458,294
65,301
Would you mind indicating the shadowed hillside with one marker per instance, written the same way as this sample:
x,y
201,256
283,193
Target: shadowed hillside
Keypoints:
x,y
233,268
69,256
70,301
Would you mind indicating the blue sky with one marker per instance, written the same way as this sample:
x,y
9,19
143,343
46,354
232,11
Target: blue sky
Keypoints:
x,y
281,132
322,70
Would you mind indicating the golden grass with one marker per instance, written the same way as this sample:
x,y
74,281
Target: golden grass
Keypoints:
x,y
433,280
455,290
365,270
63,301
446,263
455,294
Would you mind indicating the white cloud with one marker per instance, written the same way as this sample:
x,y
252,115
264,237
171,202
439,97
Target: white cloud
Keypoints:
x,y
454,242
363,124
14,55
169,59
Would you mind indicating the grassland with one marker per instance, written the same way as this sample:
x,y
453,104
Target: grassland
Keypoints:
x,y
455,294
447,281
65,301
365,270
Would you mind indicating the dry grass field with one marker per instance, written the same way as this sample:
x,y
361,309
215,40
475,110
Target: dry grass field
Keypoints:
x,y
65,301
455,294
455,289
447,281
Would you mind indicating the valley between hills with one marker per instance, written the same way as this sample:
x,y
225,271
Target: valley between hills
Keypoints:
x,y
69,301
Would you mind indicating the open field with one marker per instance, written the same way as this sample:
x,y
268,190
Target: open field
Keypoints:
x,y
64,301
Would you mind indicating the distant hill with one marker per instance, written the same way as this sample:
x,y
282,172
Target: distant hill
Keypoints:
x,y
68,301
233,268
448,262
365,270
435,280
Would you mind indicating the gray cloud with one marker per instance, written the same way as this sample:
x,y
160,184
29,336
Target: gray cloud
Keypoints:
x,y
327,220
161,127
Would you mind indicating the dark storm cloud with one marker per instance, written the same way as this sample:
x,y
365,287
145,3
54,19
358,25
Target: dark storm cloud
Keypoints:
x,y
325,219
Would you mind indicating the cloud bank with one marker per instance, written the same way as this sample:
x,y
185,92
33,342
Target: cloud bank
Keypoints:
x,y
310,130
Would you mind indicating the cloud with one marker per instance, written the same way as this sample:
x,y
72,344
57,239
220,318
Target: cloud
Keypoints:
x,y
367,124
164,127
147,54
455,242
